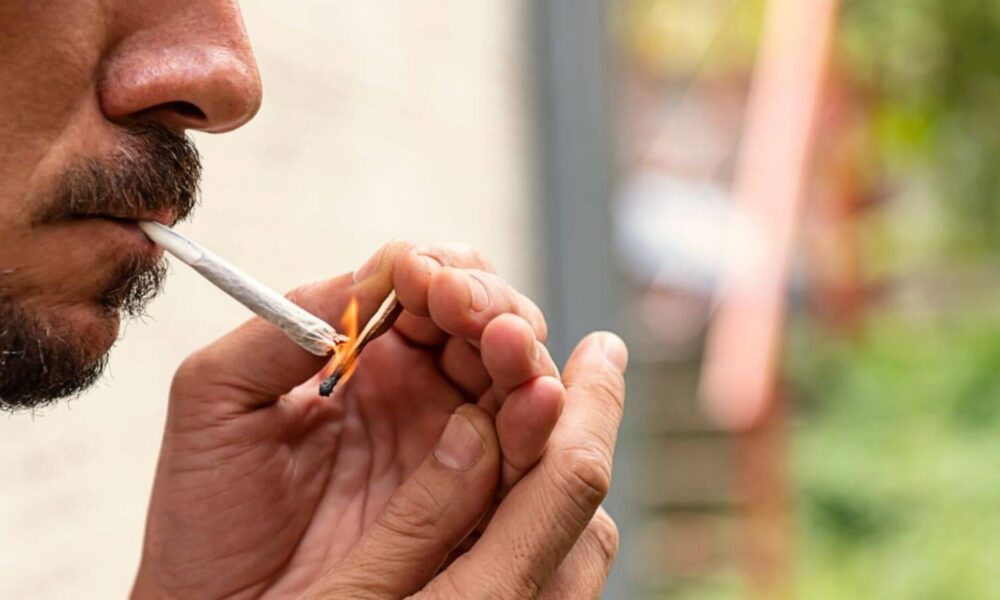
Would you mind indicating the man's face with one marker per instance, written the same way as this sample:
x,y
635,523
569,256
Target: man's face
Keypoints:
x,y
95,97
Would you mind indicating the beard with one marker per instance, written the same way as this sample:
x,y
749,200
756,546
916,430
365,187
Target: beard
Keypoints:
x,y
41,362
43,359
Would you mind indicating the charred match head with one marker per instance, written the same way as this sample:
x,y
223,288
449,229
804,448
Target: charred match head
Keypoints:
x,y
326,388
346,356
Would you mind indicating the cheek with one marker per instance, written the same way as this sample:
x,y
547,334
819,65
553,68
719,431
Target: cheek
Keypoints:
x,y
49,55
60,267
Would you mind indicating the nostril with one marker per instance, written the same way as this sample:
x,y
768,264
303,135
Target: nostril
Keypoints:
x,y
185,109
180,108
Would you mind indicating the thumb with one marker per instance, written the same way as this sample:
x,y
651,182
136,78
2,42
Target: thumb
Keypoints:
x,y
427,517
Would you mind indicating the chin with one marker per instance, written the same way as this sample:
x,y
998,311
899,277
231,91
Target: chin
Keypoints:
x,y
52,352
89,328
94,328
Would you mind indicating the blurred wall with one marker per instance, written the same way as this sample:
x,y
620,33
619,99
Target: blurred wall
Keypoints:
x,y
380,120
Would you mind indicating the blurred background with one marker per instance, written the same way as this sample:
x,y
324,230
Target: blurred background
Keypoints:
x,y
788,208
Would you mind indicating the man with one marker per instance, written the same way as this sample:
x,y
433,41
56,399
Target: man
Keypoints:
x,y
456,463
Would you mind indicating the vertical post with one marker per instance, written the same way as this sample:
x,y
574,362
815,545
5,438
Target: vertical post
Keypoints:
x,y
576,181
576,166
745,339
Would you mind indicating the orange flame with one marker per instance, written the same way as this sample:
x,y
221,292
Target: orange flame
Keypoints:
x,y
348,327
349,320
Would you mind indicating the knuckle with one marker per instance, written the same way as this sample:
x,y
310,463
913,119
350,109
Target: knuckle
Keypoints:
x,y
604,533
413,513
584,477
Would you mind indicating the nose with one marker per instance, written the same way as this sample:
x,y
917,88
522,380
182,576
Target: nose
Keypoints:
x,y
181,74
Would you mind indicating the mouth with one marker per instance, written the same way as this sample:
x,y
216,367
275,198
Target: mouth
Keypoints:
x,y
165,217
124,231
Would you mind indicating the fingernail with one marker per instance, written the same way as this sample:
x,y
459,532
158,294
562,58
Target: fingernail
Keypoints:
x,y
460,446
615,351
370,266
477,291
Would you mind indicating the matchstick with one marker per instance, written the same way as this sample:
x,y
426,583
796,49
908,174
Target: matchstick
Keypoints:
x,y
343,361
305,329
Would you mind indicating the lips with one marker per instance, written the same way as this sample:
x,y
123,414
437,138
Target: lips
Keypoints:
x,y
165,217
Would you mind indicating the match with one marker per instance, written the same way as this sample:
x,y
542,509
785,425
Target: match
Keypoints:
x,y
345,357
305,329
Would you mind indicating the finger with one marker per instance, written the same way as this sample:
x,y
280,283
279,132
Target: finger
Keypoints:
x,y
254,364
425,518
412,274
414,270
524,424
420,331
584,573
461,363
527,407
542,517
509,356
464,301
513,355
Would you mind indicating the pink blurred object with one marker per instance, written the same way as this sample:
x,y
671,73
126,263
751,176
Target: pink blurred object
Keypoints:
x,y
744,342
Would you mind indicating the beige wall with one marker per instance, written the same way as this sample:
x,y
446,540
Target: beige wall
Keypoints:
x,y
380,120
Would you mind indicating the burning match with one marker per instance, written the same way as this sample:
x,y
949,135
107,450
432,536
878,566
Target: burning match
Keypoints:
x,y
305,329
346,355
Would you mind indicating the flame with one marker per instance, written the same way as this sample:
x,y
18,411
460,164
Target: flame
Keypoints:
x,y
348,327
349,320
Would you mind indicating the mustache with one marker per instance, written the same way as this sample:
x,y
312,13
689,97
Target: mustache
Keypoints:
x,y
154,171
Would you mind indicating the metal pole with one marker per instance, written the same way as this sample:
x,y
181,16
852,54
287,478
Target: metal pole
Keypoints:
x,y
576,181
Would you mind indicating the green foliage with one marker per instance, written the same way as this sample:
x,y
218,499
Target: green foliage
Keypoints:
x,y
894,460
932,70
894,455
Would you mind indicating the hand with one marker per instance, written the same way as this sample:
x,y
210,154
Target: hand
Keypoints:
x,y
548,537
263,486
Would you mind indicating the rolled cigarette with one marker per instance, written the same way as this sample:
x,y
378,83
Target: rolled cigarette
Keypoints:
x,y
305,329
